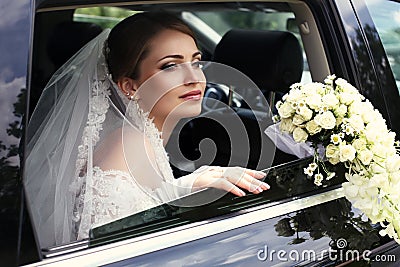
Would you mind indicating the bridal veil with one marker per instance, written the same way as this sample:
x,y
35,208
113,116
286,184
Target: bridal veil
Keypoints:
x,y
54,138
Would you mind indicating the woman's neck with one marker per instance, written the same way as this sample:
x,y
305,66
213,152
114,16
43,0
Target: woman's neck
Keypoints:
x,y
165,127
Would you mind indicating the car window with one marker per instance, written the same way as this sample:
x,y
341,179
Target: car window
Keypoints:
x,y
285,171
270,20
106,17
386,17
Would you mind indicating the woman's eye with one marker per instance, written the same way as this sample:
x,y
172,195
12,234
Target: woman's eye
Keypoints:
x,y
169,66
197,65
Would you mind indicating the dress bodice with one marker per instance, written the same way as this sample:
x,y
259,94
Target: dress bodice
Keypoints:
x,y
116,195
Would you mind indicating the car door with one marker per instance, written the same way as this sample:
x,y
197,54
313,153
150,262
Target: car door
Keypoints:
x,y
15,36
294,223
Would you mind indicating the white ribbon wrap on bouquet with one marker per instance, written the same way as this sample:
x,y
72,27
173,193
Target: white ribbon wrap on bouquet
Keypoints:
x,y
286,143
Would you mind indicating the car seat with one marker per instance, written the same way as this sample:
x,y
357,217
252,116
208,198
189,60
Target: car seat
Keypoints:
x,y
273,60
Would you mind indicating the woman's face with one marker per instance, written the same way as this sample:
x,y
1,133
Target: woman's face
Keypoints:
x,y
170,82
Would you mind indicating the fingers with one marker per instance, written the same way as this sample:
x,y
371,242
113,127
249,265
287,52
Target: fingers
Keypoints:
x,y
245,178
254,173
225,185
255,184
249,183
233,179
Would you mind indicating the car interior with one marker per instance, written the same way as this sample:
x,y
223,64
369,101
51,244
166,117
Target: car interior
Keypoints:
x,y
272,58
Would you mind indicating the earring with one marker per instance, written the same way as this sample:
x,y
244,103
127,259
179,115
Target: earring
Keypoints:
x,y
132,96
128,95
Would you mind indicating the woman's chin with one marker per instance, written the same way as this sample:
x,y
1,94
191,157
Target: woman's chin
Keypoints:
x,y
193,111
187,109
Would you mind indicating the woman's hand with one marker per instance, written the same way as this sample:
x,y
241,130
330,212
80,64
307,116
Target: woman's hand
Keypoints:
x,y
231,179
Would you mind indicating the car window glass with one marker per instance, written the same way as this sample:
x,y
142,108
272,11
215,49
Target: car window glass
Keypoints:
x,y
106,17
386,16
268,20
287,181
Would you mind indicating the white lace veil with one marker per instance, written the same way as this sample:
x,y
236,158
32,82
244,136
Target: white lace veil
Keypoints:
x,y
66,123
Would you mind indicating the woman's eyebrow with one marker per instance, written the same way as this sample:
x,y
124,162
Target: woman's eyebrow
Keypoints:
x,y
180,56
171,56
197,54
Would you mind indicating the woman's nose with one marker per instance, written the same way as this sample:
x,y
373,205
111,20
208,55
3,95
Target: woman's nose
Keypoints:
x,y
192,74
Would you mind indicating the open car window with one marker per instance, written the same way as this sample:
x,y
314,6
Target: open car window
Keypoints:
x,y
385,15
211,22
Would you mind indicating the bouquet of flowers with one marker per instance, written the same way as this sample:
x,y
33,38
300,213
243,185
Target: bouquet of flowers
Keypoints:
x,y
337,117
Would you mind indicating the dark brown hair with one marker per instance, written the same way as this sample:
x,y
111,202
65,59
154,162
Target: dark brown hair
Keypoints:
x,y
128,42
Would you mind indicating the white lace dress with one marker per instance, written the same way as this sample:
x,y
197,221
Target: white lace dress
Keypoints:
x,y
103,196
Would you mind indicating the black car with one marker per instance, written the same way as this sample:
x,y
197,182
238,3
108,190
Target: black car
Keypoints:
x,y
295,223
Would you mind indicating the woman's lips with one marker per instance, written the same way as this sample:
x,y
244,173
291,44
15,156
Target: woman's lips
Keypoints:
x,y
192,95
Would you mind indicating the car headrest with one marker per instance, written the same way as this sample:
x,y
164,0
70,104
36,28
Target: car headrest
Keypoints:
x,y
68,37
272,59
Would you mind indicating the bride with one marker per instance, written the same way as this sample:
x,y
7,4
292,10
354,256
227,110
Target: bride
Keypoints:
x,y
95,150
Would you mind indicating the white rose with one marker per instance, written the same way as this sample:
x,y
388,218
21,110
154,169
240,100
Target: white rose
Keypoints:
x,y
388,139
346,153
371,133
365,156
330,100
332,151
346,86
377,118
294,95
312,127
285,110
286,126
366,110
299,135
359,144
310,89
347,98
393,163
355,108
341,110
334,161
314,101
298,120
356,122
326,120
306,113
